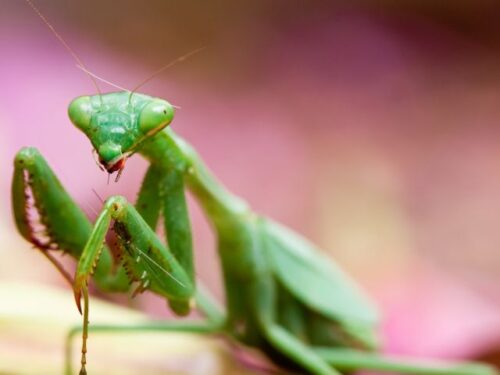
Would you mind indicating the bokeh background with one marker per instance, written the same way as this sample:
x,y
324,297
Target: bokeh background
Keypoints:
x,y
372,127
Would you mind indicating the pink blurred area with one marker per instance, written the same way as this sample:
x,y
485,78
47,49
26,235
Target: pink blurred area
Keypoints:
x,y
374,133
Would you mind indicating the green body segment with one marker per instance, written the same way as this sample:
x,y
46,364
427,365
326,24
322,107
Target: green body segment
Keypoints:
x,y
261,259
281,295
251,247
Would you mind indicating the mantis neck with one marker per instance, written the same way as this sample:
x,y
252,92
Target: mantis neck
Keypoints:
x,y
173,154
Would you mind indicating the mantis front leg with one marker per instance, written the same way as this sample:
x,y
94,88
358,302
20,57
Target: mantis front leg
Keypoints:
x,y
145,258
48,217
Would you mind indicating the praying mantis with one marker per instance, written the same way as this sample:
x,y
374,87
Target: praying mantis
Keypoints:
x,y
283,296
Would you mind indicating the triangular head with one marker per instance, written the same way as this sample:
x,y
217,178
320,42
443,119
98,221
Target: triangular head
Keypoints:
x,y
117,123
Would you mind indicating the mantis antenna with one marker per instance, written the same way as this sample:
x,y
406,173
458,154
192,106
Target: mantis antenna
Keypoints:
x,y
101,79
68,48
112,85
163,68
97,195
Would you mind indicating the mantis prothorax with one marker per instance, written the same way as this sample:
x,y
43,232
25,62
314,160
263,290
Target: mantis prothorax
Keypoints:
x,y
282,295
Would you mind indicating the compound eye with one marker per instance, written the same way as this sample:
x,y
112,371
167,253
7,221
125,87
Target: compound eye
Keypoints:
x,y
80,112
155,116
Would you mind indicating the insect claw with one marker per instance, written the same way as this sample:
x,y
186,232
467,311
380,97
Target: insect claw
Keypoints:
x,y
77,292
78,297
138,290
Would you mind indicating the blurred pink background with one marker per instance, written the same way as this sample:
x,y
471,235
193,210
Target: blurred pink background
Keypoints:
x,y
373,130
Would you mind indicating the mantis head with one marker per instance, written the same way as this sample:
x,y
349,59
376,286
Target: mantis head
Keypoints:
x,y
117,123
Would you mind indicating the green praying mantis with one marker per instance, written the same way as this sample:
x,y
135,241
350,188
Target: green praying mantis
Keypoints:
x,y
283,296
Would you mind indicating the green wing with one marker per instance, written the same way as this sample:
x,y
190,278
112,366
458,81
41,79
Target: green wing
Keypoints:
x,y
314,279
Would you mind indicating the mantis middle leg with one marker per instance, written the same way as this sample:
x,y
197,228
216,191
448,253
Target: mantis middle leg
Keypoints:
x,y
353,360
198,327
